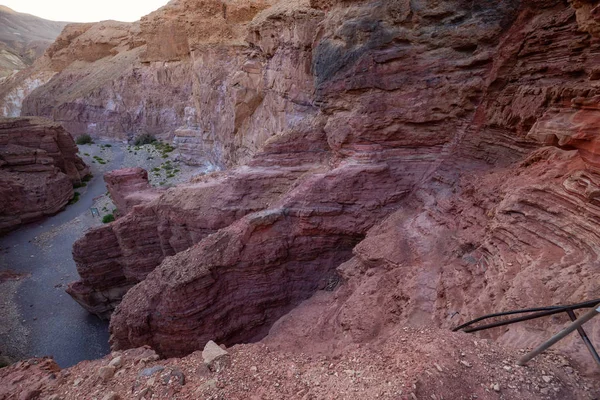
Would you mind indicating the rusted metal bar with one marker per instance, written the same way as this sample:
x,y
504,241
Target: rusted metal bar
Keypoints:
x,y
514,320
585,338
560,335
540,310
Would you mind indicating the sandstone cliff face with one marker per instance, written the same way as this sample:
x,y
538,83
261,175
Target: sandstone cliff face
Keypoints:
x,y
436,158
38,167
414,100
129,187
205,87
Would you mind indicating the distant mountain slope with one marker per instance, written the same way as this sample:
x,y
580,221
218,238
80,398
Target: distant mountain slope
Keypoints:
x,y
23,38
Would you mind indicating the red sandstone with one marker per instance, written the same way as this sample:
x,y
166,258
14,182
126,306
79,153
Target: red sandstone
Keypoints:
x,y
38,167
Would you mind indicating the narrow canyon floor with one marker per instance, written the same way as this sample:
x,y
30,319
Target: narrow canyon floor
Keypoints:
x,y
37,317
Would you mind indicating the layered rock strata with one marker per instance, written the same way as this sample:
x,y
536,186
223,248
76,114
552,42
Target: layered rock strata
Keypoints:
x,y
129,187
206,88
438,159
38,167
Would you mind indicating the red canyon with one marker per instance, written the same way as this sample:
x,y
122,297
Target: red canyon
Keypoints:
x,y
388,167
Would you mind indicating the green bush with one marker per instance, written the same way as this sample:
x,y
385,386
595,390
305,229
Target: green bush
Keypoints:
x,y
75,198
87,178
146,138
4,361
84,139
108,218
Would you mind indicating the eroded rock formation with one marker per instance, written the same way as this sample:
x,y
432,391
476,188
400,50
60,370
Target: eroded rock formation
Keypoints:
x,y
439,159
129,187
422,162
38,167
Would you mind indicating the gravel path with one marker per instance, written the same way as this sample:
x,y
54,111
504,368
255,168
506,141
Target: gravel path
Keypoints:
x,y
37,317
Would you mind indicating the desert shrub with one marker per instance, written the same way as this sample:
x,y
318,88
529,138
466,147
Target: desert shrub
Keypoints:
x,y
84,139
87,178
4,361
75,198
108,218
146,138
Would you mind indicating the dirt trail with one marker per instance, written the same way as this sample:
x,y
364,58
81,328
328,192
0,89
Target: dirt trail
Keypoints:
x,y
38,317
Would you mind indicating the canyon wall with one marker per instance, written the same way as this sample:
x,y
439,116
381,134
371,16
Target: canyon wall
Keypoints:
x,y
206,89
426,162
38,167
129,187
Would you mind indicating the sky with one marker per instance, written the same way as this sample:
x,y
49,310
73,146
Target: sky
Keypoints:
x,y
86,10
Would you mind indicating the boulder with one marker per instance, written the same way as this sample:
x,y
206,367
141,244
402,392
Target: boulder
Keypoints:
x,y
215,357
38,167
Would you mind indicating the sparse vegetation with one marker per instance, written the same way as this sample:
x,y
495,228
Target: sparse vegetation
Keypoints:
x,y
75,198
100,160
4,361
108,218
144,139
87,178
163,148
84,139
79,185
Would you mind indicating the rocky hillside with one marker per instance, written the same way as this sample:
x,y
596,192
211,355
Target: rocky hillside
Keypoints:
x,y
23,39
438,160
408,364
38,167
389,164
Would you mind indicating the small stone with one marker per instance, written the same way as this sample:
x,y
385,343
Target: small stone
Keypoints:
x,y
106,373
77,382
145,393
438,368
116,362
111,396
547,378
215,357
30,394
175,376
151,371
507,368
54,397
253,368
465,363
496,387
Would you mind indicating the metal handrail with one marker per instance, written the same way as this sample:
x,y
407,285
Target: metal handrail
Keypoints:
x,y
534,313
543,311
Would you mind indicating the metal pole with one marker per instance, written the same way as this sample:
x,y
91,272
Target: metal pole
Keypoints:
x,y
585,338
514,320
561,335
